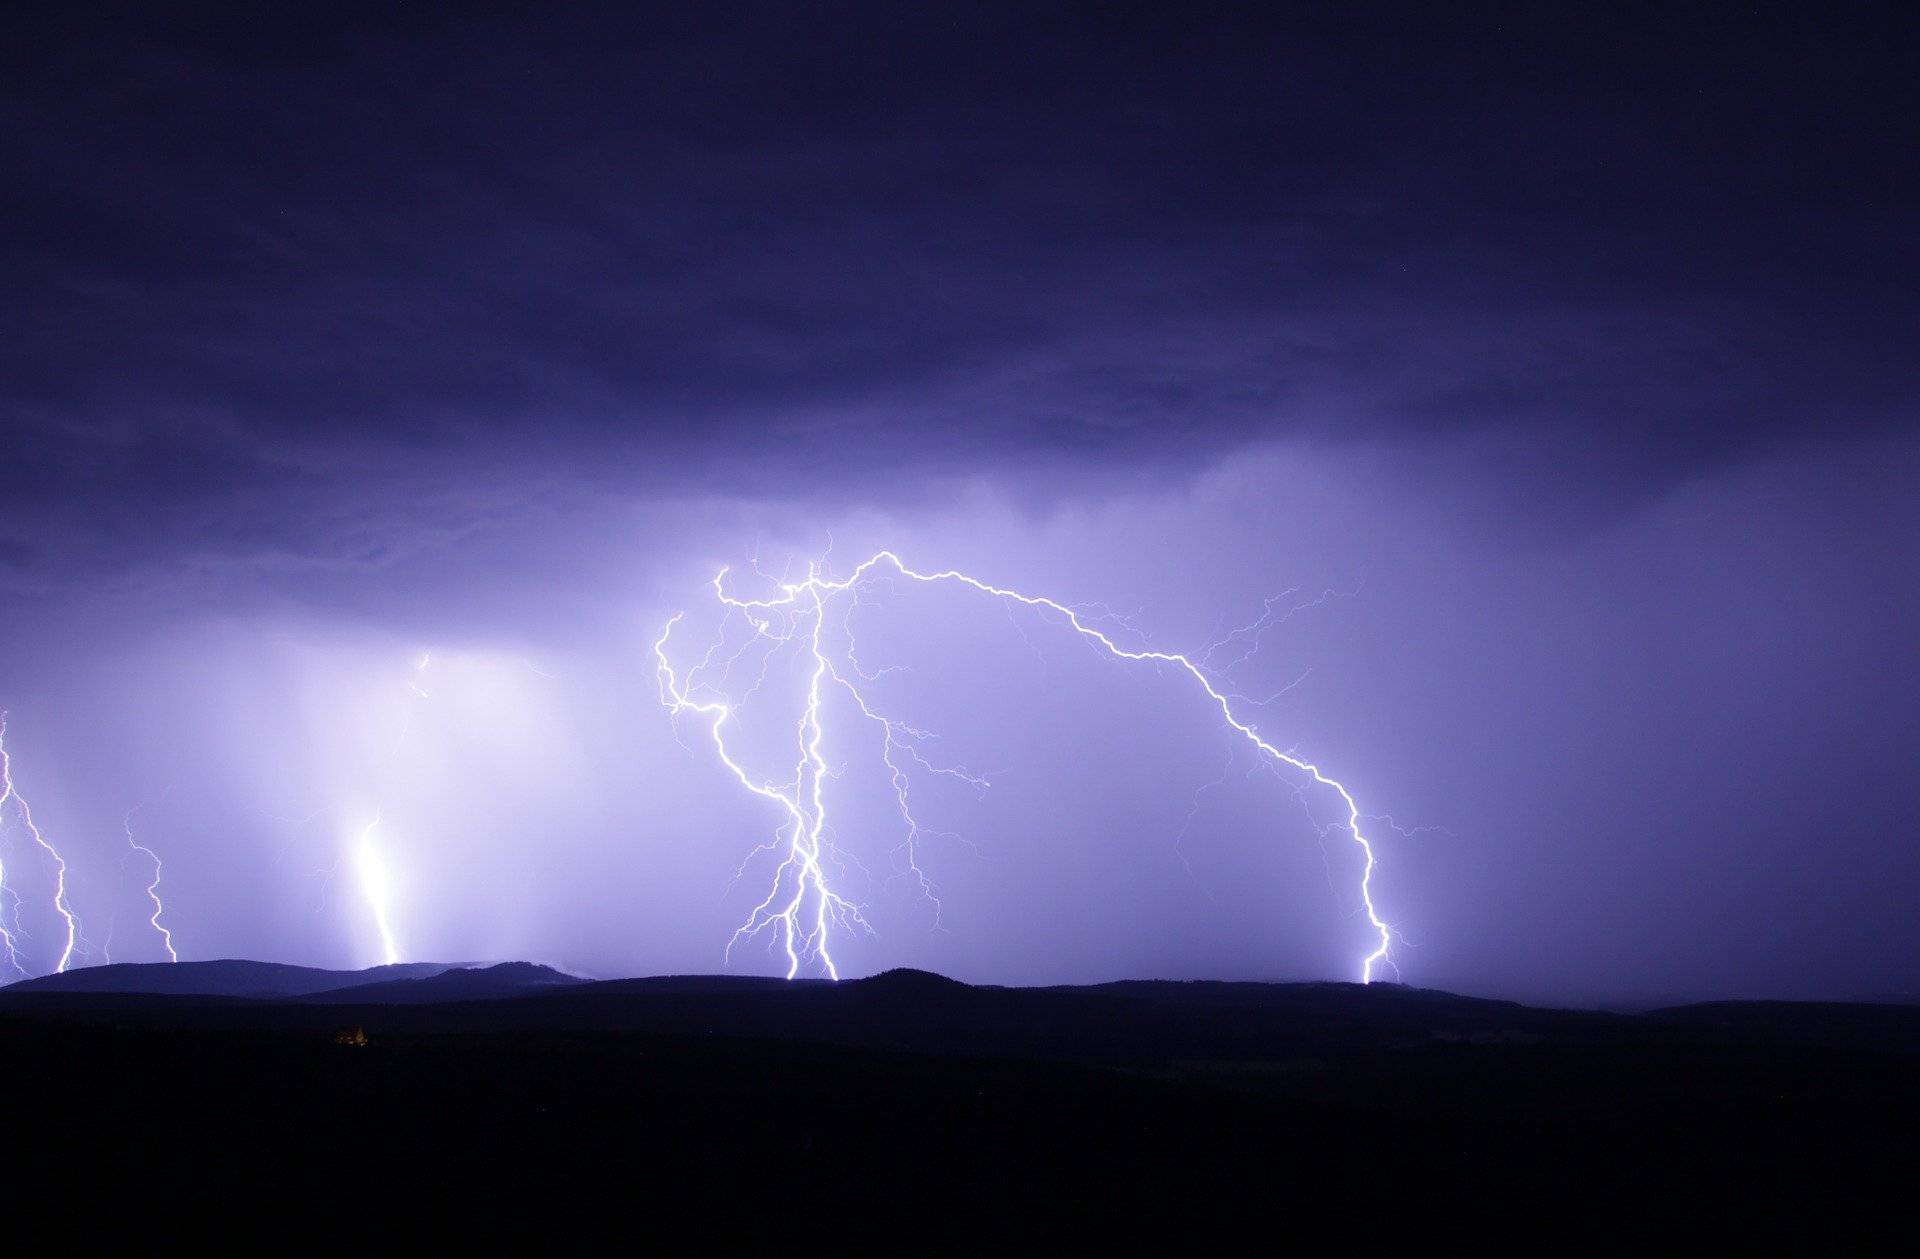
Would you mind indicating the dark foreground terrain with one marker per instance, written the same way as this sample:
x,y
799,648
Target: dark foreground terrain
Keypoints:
x,y
513,1106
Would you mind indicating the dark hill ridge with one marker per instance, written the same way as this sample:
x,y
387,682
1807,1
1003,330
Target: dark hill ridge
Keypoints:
x,y
913,1107
461,983
1135,1022
905,979
279,981
229,977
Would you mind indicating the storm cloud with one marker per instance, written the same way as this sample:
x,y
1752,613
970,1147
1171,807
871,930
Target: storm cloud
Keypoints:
x,y
1575,352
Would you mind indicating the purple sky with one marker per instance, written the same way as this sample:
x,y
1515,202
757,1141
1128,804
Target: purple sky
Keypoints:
x,y
1571,348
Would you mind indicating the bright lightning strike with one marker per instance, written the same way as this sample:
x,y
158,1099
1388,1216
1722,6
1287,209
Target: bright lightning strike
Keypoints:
x,y
153,889
377,887
801,902
802,905
8,936
369,859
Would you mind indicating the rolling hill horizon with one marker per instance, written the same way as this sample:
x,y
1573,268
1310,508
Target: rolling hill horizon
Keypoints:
x,y
389,1097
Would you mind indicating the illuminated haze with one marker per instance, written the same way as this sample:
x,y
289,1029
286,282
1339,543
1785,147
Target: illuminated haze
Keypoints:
x,y
1574,365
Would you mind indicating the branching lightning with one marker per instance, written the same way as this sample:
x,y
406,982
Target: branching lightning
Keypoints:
x,y
800,902
9,935
802,906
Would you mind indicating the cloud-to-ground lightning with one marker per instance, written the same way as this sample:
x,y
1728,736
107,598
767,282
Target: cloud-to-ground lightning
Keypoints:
x,y
369,856
802,877
802,905
377,887
153,890
9,936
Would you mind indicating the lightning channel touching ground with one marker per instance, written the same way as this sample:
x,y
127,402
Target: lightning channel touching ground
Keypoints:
x,y
9,935
369,855
802,905
153,889
377,887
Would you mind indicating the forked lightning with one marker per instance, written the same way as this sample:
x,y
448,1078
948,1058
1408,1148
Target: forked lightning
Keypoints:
x,y
802,905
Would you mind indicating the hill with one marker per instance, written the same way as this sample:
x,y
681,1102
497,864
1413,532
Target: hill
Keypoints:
x,y
517,1105
231,977
460,983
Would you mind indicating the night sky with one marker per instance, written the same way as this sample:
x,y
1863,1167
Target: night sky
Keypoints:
x,y
1558,358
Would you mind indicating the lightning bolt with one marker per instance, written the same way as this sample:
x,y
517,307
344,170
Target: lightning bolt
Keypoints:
x,y
802,904
377,888
153,888
369,859
801,901
8,936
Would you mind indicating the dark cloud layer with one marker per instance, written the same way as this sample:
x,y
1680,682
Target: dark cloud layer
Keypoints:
x,y
1574,341
317,254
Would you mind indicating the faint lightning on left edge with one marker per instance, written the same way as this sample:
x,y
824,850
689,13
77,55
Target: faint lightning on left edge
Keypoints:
x,y
8,936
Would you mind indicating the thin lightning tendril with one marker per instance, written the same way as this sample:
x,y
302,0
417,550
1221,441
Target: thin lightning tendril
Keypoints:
x,y
802,905
9,913
8,936
153,888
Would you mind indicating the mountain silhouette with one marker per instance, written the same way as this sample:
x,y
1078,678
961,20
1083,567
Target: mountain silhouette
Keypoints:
x,y
911,1105
230,977
460,983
